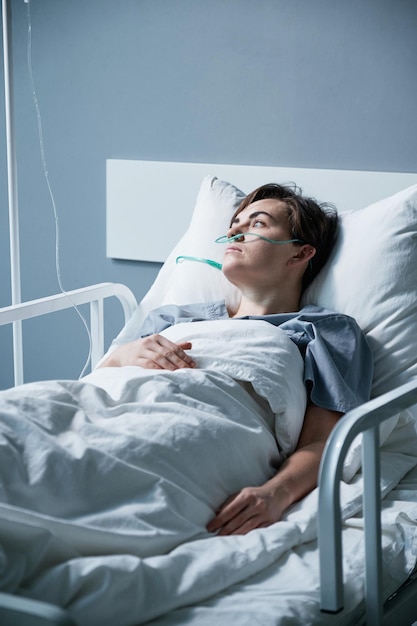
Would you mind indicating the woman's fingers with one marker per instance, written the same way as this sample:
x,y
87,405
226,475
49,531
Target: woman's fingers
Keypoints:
x,y
231,515
153,352
237,518
165,354
251,508
171,355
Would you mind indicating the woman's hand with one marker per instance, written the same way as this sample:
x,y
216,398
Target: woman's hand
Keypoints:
x,y
250,508
257,507
153,352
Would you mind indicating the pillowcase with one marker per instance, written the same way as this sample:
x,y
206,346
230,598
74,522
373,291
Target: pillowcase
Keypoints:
x,y
193,281
371,276
188,282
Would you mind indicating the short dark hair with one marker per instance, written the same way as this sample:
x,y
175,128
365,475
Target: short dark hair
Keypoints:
x,y
312,222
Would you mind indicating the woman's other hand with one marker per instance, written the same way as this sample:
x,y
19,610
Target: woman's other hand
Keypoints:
x,y
257,507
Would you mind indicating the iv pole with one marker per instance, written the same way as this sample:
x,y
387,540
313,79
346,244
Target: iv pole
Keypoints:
x,y
12,189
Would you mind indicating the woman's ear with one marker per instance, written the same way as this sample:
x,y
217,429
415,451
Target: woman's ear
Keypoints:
x,y
304,254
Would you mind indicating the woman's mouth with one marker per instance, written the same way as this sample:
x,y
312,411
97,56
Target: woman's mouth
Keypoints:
x,y
232,249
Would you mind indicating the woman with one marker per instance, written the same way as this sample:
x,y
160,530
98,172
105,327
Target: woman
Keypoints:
x,y
278,241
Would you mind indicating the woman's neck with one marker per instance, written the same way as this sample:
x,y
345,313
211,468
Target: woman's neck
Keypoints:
x,y
255,304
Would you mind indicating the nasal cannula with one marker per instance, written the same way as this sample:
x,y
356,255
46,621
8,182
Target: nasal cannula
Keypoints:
x,y
226,239
199,259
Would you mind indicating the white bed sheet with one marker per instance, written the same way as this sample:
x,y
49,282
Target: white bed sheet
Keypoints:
x,y
91,544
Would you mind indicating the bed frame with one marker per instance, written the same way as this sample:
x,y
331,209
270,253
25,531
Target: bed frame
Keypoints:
x,y
400,609
93,295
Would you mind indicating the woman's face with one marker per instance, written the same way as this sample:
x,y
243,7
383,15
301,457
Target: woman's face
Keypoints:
x,y
252,260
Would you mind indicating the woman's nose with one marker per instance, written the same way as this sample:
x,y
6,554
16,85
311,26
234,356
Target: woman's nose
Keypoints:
x,y
236,236
234,231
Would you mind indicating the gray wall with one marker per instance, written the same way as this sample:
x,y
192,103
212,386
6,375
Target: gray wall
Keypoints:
x,y
308,83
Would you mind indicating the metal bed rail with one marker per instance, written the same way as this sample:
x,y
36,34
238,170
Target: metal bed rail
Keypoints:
x,y
364,419
93,295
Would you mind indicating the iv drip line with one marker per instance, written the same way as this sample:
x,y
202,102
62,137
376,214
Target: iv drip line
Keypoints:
x,y
46,174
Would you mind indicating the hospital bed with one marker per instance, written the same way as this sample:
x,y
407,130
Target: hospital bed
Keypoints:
x,y
343,555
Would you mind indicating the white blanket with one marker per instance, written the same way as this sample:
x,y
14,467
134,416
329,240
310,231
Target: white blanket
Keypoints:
x,y
107,485
135,462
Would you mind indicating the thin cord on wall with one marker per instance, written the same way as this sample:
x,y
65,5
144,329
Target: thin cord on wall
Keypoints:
x,y
46,174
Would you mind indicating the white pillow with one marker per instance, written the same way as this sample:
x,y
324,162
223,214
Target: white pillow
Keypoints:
x,y
371,275
190,281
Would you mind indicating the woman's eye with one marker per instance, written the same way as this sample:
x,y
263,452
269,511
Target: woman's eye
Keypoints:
x,y
258,223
